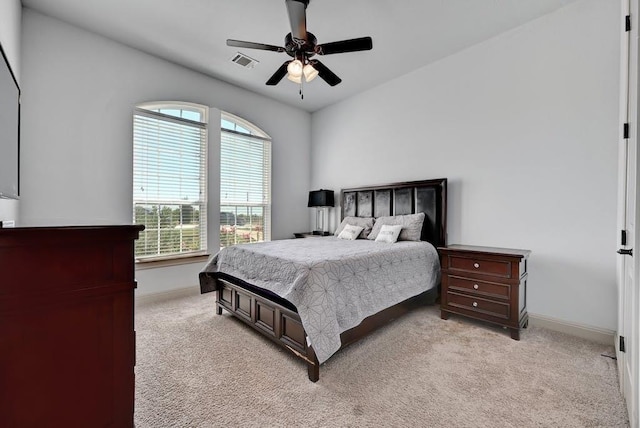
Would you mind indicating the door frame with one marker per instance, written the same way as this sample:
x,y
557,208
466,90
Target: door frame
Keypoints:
x,y
628,266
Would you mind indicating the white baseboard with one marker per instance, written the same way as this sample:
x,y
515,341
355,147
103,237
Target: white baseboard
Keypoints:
x,y
595,334
168,295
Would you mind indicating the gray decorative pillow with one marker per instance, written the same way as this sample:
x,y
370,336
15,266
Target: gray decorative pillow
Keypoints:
x,y
389,233
365,222
350,232
411,226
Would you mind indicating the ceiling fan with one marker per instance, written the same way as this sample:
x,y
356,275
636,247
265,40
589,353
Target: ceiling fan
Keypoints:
x,y
302,45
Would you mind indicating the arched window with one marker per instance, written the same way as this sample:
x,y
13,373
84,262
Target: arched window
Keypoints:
x,y
170,179
245,182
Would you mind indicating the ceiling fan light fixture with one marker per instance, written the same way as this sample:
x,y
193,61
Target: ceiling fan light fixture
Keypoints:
x,y
294,79
309,72
295,69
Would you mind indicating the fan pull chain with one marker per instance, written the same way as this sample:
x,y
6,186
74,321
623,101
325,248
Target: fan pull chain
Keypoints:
x,y
300,92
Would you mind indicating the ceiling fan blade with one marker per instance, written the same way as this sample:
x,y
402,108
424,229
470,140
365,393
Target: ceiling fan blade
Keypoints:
x,y
279,74
324,73
252,45
298,18
351,45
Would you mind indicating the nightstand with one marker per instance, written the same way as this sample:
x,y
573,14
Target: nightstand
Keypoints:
x,y
485,283
310,235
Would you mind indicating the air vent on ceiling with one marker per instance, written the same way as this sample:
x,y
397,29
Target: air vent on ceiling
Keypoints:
x,y
243,60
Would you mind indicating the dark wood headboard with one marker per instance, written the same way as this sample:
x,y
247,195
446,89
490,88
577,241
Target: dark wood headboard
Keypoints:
x,y
428,196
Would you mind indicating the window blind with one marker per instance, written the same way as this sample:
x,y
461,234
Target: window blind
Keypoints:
x,y
169,184
245,188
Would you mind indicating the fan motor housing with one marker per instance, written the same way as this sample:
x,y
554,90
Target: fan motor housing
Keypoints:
x,y
294,47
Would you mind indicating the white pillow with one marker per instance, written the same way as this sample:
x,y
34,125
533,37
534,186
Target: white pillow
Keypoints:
x,y
389,233
350,232
365,222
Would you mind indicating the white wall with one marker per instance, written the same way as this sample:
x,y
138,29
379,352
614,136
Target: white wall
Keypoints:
x,y
525,128
79,90
10,20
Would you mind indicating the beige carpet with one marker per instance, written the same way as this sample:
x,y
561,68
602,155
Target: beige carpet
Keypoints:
x,y
197,369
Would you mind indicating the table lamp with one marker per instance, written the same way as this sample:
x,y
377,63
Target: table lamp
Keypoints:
x,y
321,200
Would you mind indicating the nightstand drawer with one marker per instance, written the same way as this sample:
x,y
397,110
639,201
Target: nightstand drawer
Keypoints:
x,y
479,288
480,305
480,266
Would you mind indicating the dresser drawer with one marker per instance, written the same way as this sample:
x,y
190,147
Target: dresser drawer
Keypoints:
x,y
479,288
497,268
479,305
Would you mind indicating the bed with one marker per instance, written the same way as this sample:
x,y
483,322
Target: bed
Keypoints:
x,y
315,296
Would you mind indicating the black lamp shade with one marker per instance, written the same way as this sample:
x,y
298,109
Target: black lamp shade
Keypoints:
x,y
321,198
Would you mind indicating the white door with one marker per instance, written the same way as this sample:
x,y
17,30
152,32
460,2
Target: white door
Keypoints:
x,y
628,268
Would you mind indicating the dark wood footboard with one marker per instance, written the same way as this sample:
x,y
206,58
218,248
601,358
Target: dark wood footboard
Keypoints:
x,y
283,325
278,323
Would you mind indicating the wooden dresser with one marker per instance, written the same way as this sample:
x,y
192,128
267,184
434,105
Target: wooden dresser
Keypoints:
x,y
67,340
485,283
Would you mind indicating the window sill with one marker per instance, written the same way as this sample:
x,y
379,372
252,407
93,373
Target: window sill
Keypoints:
x,y
170,261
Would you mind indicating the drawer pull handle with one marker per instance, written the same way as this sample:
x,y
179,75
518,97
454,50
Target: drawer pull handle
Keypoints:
x,y
475,304
475,286
476,265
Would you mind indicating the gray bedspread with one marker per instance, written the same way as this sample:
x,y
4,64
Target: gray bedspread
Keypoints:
x,y
333,283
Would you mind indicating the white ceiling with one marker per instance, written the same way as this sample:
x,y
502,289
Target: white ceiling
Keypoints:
x,y
407,34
